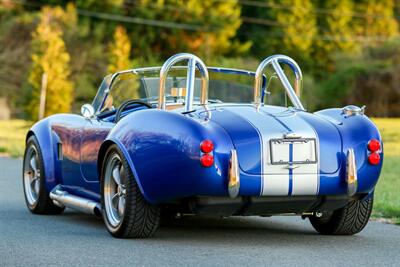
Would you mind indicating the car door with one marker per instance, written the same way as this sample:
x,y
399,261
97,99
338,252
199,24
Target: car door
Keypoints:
x,y
68,130
94,133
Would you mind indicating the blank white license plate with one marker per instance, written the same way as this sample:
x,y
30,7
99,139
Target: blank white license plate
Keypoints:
x,y
296,151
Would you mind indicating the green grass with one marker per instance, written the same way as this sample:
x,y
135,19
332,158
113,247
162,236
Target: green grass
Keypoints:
x,y
12,137
387,194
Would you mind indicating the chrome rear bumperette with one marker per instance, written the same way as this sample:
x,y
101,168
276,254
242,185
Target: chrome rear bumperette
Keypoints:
x,y
233,175
351,173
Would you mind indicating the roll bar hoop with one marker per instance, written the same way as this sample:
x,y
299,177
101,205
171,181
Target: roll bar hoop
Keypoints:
x,y
193,63
274,60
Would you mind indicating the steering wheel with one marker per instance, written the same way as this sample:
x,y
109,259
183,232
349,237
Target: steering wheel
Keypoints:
x,y
128,103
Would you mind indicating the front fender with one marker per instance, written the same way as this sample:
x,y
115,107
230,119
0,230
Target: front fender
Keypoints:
x,y
47,140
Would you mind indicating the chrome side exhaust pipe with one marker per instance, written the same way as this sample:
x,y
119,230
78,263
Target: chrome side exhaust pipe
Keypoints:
x,y
62,198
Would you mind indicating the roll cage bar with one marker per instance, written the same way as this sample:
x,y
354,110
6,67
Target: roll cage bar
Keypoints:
x,y
196,63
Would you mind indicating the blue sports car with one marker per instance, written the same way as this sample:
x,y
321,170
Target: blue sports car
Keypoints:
x,y
191,139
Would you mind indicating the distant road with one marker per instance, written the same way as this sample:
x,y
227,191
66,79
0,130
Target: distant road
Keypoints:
x,y
74,239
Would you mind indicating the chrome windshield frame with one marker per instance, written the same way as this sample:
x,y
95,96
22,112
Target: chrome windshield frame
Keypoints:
x,y
157,69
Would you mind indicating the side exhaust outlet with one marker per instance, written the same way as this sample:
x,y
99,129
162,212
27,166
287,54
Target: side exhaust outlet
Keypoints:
x,y
62,198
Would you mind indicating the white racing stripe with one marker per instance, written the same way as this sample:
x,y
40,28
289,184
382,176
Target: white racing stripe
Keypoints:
x,y
305,178
278,180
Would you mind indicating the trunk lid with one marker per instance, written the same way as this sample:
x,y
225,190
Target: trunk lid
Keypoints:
x,y
275,140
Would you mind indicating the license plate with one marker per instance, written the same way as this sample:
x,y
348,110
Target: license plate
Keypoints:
x,y
293,151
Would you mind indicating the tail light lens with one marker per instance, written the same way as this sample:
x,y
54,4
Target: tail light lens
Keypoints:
x,y
374,158
207,160
374,145
207,146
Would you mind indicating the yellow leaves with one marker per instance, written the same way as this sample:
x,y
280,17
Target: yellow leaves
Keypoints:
x,y
339,26
50,56
120,51
380,20
220,21
299,28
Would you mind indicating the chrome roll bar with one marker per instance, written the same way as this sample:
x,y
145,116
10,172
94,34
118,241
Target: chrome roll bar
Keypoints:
x,y
274,61
193,63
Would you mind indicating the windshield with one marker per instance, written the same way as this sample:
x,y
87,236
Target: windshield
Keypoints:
x,y
225,85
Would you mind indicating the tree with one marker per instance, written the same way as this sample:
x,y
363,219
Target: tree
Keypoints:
x,y
209,27
337,33
126,86
120,51
296,27
379,22
50,57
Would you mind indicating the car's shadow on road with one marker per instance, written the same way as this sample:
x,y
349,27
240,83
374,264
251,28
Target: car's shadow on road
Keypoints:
x,y
238,229
241,228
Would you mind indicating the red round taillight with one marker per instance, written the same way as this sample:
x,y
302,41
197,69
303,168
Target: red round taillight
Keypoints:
x,y
206,146
207,160
374,158
374,145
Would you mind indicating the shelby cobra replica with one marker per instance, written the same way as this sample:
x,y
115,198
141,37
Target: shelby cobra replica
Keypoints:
x,y
169,149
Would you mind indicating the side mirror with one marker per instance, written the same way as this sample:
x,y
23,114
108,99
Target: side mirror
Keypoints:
x,y
87,111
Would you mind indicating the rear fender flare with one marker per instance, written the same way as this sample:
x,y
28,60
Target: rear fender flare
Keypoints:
x,y
356,131
101,156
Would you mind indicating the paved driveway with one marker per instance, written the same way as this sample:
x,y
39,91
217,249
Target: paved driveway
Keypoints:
x,y
75,239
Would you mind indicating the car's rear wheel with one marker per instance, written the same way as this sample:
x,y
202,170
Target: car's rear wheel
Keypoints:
x,y
34,182
349,220
125,212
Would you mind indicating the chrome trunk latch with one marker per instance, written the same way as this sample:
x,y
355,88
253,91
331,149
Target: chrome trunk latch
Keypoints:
x,y
291,167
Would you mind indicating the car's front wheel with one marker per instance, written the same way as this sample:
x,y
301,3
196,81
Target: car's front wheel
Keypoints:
x,y
125,212
34,181
349,220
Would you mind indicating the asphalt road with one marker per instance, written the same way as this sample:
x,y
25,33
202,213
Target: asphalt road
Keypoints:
x,y
76,239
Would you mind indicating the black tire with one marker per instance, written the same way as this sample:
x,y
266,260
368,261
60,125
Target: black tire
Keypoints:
x,y
140,219
43,204
349,220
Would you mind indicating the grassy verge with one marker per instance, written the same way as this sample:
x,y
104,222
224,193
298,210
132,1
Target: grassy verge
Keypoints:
x,y
387,194
12,137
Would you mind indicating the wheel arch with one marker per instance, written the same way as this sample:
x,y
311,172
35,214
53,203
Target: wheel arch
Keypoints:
x,y
101,157
47,144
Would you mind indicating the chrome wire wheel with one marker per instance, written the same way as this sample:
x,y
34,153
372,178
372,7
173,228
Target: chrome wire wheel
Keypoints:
x,y
114,190
32,175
